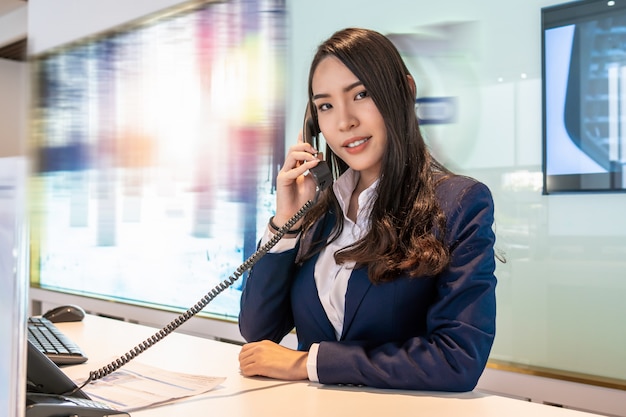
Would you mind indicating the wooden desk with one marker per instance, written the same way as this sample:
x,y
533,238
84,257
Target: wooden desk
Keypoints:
x,y
104,339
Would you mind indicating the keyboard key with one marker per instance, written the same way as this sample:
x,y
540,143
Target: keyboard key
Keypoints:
x,y
49,339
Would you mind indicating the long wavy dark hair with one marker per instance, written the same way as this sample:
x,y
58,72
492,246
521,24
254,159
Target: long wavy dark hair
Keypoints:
x,y
407,224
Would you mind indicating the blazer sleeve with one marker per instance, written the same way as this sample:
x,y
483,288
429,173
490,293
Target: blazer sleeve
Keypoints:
x,y
265,306
453,352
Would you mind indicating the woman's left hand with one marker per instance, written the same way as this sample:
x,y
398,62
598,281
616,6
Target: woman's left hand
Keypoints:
x,y
266,358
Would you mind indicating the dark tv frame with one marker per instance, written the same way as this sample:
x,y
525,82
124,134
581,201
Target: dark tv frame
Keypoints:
x,y
614,180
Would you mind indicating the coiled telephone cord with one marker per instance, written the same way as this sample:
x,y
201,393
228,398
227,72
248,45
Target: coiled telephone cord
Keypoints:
x,y
203,302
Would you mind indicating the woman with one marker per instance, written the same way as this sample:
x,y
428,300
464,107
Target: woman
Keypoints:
x,y
389,279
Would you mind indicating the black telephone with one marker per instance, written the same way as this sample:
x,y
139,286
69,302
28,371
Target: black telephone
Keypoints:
x,y
46,385
51,390
310,134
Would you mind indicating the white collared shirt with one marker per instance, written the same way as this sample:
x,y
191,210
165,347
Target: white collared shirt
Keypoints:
x,y
332,279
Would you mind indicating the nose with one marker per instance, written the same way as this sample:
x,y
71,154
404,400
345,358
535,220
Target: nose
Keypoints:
x,y
347,119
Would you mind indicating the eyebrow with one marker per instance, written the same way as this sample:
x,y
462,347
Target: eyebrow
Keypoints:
x,y
345,90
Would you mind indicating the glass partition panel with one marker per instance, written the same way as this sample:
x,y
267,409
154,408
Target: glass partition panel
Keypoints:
x,y
156,150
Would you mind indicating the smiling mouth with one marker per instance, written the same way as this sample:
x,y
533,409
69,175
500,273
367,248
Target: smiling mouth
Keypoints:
x,y
357,143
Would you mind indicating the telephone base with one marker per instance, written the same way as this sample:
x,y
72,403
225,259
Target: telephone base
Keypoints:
x,y
52,405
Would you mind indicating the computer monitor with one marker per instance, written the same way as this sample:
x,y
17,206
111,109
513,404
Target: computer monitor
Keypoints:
x,y
14,284
584,96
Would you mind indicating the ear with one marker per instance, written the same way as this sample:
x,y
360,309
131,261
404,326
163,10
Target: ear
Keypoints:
x,y
412,84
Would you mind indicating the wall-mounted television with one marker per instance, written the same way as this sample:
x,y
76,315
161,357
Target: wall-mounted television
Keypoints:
x,y
584,96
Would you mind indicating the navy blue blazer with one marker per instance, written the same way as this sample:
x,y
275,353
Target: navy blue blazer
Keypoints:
x,y
424,333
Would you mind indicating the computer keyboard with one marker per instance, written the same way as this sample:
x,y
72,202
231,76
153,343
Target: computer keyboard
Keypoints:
x,y
49,340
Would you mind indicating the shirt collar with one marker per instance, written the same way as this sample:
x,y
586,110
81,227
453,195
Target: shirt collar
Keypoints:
x,y
343,188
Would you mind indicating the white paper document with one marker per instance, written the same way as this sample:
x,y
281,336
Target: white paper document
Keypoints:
x,y
137,386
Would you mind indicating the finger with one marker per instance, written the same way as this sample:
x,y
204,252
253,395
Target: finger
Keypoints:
x,y
246,351
247,365
303,147
248,369
301,169
295,163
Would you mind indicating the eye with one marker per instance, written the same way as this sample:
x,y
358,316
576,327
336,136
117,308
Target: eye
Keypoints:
x,y
361,95
324,107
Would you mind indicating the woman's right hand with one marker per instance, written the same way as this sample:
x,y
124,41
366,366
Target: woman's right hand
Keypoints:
x,y
293,187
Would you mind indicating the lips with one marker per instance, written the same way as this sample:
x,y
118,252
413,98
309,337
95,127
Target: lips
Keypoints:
x,y
355,144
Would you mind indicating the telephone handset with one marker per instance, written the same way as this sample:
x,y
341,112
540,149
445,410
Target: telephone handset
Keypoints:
x,y
310,134
323,178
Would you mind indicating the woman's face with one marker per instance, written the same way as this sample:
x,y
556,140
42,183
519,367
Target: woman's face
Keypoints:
x,y
348,118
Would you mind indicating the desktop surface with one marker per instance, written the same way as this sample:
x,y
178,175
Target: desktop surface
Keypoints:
x,y
104,340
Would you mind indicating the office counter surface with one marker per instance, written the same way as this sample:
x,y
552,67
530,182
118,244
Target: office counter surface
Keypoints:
x,y
104,339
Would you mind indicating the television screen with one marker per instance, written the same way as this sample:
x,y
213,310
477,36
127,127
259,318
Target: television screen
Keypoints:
x,y
584,96
156,150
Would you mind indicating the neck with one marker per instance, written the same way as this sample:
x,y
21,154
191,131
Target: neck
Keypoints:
x,y
365,180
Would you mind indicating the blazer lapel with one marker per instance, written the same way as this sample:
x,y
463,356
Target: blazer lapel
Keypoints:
x,y
358,285
313,305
